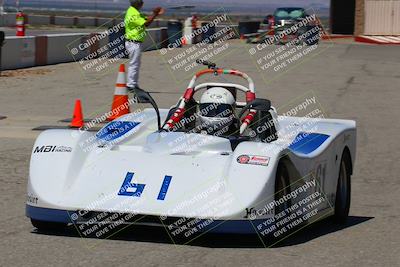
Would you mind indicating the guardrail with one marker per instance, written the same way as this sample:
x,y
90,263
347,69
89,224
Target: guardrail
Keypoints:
x,y
30,51
8,20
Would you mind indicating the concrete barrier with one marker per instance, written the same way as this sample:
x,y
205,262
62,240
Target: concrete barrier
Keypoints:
x,y
59,47
102,44
65,21
154,39
41,50
7,20
87,21
116,42
18,53
158,23
235,29
105,22
118,20
231,30
247,27
21,52
38,20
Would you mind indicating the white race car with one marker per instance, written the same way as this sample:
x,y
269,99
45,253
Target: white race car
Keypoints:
x,y
266,174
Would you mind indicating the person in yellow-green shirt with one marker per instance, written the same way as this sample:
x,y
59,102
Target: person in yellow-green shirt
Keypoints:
x,y
135,33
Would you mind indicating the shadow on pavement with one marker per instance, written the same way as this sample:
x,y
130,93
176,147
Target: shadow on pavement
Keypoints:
x,y
159,235
321,228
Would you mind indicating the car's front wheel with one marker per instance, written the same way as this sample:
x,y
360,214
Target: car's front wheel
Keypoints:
x,y
282,186
343,189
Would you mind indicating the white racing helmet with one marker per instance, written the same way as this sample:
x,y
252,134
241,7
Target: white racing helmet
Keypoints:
x,y
216,109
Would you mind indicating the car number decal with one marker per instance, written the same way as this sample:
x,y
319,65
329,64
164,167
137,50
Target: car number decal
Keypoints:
x,y
130,189
164,187
128,186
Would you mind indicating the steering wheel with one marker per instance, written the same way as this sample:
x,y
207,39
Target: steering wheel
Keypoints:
x,y
255,105
258,104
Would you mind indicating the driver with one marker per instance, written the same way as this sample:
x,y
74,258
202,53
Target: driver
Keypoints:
x,y
217,116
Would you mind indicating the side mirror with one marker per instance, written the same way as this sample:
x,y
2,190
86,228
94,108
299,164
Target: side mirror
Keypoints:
x,y
145,98
141,96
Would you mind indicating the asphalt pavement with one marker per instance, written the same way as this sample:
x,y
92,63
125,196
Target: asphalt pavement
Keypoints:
x,y
351,81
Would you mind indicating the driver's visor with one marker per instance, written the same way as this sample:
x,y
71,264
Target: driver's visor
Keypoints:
x,y
216,110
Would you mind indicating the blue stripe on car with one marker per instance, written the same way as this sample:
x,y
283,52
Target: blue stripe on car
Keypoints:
x,y
164,187
306,143
116,129
48,215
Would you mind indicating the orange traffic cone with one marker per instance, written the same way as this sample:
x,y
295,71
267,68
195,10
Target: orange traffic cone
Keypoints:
x,y
120,105
77,119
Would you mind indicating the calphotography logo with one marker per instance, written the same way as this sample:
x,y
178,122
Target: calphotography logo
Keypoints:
x,y
97,52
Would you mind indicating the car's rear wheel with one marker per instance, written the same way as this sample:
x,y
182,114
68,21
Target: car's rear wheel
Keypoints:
x,y
343,189
282,187
48,226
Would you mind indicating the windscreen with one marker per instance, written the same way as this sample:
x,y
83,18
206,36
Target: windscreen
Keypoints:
x,y
289,13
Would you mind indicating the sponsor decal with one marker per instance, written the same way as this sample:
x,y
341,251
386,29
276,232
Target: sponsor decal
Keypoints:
x,y
31,199
250,213
63,149
49,149
253,160
243,159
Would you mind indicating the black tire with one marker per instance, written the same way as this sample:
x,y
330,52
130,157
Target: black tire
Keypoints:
x,y
48,226
282,187
343,189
